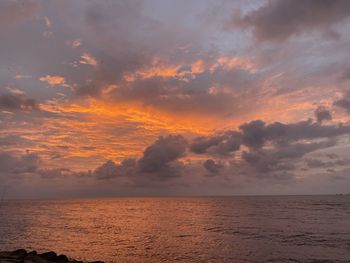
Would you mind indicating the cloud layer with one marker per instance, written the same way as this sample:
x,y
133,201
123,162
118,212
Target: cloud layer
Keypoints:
x,y
201,97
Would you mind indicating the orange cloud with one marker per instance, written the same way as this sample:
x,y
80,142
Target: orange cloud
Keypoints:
x,y
231,63
88,59
54,80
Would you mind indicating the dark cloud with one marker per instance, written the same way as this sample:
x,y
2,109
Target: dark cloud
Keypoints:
x,y
15,166
273,150
278,20
212,166
317,163
159,162
157,158
266,162
107,170
257,133
18,102
344,102
11,164
322,114
55,173
282,158
221,144
332,155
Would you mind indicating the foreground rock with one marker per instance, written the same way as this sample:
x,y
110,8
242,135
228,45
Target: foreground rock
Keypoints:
x,y
22,256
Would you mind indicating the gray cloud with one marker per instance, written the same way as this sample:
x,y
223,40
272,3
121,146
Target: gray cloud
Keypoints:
x,y
257,133
159,156
110,169
344,102
8,140
11,164
159,162
322,114
274,151
317,163
212,166
123,40
281,151
221,144
279,20
18,102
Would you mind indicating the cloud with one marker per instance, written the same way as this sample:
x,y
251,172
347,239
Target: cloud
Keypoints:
x,y
9,140
212,166
158,157
16,11
257,133
54,80
279,20
158,162
273,150
88,59
107,170
344,102
11,164
14,101
137,70
55,173
221,144
277,156
322,114
317,163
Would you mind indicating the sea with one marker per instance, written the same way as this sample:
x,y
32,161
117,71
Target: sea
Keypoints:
x,y
249,229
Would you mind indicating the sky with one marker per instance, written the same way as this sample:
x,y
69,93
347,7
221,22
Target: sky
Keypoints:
x,y
160,97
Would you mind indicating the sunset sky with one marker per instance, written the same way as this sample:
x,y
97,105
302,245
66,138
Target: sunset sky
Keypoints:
x,y
165,97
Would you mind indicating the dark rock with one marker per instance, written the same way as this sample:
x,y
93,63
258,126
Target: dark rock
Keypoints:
x,y
5,254
49,256
12,256
62,258
34,259
19,253
22,256
9,260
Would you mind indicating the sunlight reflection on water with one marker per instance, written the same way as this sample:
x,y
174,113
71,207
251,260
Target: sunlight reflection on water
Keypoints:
x,y
216,229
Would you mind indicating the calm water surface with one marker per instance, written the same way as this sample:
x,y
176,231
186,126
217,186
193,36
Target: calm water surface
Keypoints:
x,y
217,229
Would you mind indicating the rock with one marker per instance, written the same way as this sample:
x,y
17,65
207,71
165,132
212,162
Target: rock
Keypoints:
x,y
62,258
22,256
19,253
5,254
34,259
16,256
49,256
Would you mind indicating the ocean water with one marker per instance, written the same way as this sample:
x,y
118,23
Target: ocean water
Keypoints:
x,y
205,229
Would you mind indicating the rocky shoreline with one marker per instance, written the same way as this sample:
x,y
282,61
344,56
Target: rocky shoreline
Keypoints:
x,y
23,256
